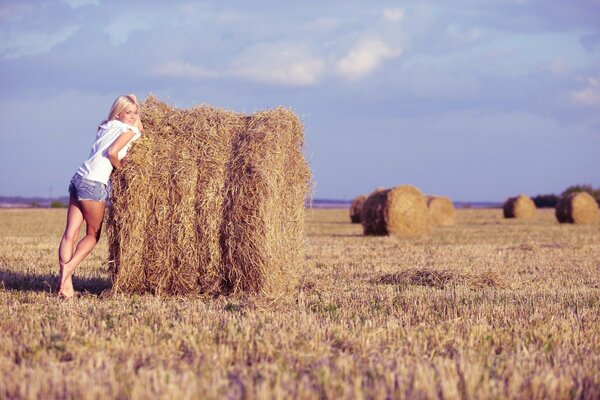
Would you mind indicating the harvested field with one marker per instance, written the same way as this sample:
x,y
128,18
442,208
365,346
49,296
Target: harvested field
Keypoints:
x,y
441,278
487,308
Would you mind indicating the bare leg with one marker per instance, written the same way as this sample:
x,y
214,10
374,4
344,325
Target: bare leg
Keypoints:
x,y
67,244
93,214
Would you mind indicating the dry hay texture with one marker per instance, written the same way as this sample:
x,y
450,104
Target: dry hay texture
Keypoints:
x,y
441,211
520,207
577,208
356,207
209,201
400,211
441,278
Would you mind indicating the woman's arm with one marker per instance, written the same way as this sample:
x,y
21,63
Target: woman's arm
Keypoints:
x,y
138,124
118,144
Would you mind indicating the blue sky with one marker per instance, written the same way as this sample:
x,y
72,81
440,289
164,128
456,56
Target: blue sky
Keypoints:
x,y
477,100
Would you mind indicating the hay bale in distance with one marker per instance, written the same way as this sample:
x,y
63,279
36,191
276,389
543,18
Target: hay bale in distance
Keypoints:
x,y
441,211
356,207
209,201
577,208
520,207
400,211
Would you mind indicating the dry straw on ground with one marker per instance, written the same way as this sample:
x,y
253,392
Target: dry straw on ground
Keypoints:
x,y
441,279
520,207
577,208
400,211
441,211
209,201
438,322
356,207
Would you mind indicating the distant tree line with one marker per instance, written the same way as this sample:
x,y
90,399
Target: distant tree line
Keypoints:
x,y
53,204
34,202
57,204
550,200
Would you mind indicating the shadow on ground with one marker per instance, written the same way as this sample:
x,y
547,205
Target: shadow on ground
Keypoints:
x,y
11,280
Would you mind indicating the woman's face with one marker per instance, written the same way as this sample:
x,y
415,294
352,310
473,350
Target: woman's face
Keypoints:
x,y
129,115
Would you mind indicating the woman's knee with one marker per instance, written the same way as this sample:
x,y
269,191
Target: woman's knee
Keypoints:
x,y
94,232
71,236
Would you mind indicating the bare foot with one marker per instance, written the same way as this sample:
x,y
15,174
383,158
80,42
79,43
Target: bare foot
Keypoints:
x,y
65,282
66,290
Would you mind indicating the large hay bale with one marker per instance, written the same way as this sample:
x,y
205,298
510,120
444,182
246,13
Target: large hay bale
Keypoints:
x,y
267,184
356,207
208,203
520,207
577,208
400,211
441,211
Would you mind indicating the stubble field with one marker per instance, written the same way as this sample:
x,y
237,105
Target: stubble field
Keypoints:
x,y
488,308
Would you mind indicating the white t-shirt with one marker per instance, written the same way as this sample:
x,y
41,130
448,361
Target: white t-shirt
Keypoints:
x,y
98,167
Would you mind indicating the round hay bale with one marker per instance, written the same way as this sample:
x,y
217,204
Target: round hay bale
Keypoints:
x,y
400,211
441,211
577,208
356,207
521,207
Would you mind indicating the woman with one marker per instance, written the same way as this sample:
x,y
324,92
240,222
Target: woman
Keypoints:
x,y
88,188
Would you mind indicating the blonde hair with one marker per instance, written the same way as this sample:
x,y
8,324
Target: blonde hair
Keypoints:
x,y
120,104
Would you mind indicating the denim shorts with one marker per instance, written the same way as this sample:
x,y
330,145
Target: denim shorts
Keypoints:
x,y
85,189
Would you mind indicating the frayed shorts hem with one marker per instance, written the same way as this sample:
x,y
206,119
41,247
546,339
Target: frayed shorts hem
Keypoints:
x,y
87,190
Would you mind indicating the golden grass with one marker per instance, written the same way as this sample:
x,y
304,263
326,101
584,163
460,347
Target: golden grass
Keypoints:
x,y
487,308
441,278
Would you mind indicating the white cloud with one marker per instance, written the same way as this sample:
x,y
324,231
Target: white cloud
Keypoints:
x,y
273,64
364,58
323,24
122,26
14,12
183,69
81,3
393,14
28,43
589,96
421,81
591,42
463,34
280,64
558,66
